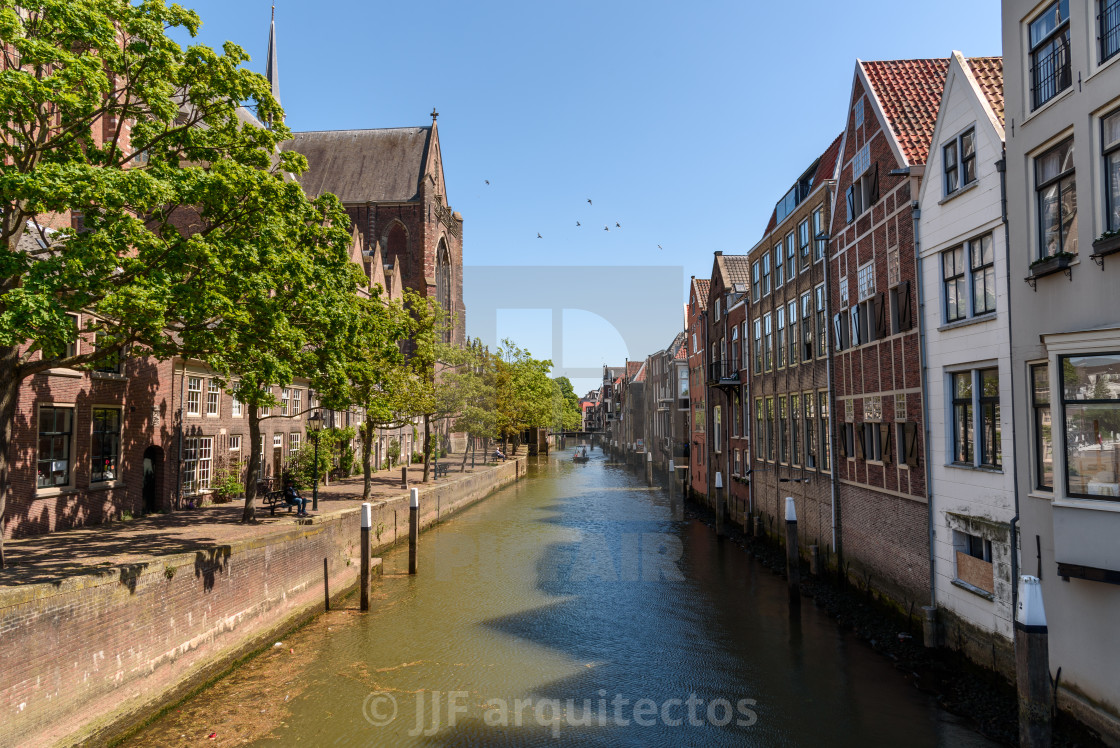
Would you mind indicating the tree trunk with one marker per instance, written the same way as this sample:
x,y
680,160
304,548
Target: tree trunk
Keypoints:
x,y
254,464
427,445
9,392
466,451
367,459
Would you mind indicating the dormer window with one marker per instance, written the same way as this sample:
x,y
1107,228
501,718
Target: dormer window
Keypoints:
x,y
959,159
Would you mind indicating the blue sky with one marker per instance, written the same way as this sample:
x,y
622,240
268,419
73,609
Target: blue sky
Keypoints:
x,y
683,122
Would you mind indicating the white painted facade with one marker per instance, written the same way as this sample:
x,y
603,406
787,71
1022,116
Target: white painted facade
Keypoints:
x,y
969,498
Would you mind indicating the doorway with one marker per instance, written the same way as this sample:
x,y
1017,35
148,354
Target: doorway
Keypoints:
x,y
153,479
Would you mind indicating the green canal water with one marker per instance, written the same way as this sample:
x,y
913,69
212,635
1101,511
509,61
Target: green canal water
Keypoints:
x,y
573,608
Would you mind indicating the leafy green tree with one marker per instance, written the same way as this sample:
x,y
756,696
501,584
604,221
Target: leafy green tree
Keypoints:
x,y
102,114
474,381
567,415
523,391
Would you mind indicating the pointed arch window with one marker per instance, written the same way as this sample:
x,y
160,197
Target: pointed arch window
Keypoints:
x,y
443,287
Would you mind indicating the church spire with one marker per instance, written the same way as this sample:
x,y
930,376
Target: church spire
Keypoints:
x,y
271,70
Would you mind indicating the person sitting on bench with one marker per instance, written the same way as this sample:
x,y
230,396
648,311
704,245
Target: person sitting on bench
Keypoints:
x,y
292,497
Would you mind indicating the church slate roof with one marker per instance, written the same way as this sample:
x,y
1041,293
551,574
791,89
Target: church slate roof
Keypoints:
x,y
360,166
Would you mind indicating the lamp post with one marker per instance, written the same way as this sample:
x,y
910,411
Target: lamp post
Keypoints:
x,y
314,427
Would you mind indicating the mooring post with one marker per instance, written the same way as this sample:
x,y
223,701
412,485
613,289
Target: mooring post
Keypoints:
x,y
793,555
721,523
413,527
367,524
404,476
758,525
672,476
815,560
326,586
649,468
1032,665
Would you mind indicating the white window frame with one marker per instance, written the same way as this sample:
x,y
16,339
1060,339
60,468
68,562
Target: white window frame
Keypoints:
x,y
194,395
213,398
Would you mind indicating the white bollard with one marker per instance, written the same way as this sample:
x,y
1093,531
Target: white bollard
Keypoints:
x,y
367,525
413,527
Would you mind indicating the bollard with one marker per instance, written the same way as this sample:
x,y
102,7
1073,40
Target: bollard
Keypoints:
x,y
793,556
929,626
1032,665
649,468
367,524
404,476
815,560
326,587
672,476
721,524
413,527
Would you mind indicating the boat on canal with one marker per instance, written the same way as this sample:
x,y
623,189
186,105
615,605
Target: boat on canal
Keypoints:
x,y
581,455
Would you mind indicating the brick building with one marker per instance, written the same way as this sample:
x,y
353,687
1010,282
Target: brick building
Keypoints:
x,y
696,322
789,402
884,527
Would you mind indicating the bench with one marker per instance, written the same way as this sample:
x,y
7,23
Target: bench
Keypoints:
x,y
441,468
273,499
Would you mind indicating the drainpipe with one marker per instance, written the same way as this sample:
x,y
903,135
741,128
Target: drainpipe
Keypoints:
x,y
837,543
179,463
1001,167
916,211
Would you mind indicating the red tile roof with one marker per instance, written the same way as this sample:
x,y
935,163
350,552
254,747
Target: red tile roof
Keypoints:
x,y
988,72
702,285
909,92
632,368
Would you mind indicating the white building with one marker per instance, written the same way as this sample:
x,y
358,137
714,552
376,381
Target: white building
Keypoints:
x,y
968,362
1062,91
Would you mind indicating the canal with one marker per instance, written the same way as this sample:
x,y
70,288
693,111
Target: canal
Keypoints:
x,y
573,604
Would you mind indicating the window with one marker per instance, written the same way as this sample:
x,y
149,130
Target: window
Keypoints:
x,y
213,397
794,338
847,440
962,417
863,192
1043,437
1091,413
974,561
859,111
106,446
991,450
1110,146
770,447
959,160
783,439
56,429
806,326
841,332
768,343
781,337
766,274
826,429
738,463
297,402
754,282
1109,28
717,423
810,431
758,346
822,340
194,396
803,242
952,273
795,429
779,266
735,416
111,364
900,307
293,442
235,407
870,441
285,399
982,258
198,457
235,444
759,442
865,281
1050,60
818,228
730,368
1057,200
67,349
743,364
791,255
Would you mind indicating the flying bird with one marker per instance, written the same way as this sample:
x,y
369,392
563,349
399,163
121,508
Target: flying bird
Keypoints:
x,y
616,223
539,235
606,228
589,201
577,223
659,246
487,181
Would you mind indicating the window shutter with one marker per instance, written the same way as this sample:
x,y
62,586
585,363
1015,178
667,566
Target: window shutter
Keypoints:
x,y
859,441
911,432
904,321
857,326
885,431
880,316
843,434
873,191
837,332
851,198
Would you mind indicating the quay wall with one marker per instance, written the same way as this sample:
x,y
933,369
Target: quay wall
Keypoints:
x,y
86,657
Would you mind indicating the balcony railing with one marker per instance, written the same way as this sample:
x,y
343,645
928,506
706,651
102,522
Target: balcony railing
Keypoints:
x,y
723,372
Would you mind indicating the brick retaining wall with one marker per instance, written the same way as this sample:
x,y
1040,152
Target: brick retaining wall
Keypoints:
x,y
89,655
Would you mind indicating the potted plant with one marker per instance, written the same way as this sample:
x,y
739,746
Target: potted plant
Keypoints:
x,y
1051,264
1106,244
